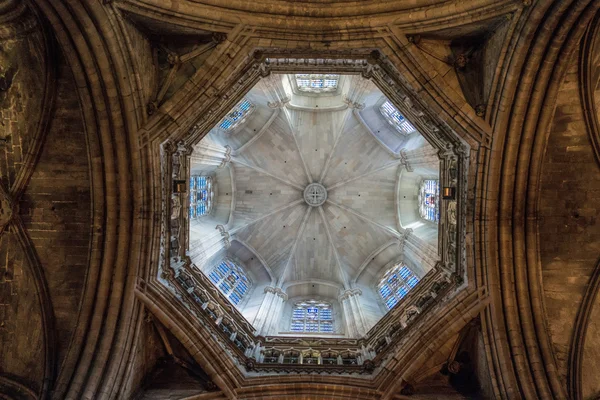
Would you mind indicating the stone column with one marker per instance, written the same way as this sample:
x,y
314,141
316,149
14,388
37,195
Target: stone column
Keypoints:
x,y
202,250
211,154
419,250
269,313
423,157
355,321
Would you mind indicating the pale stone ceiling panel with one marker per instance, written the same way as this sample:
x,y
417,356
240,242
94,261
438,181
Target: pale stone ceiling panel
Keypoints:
x,y
373,195
275,152
258,194
356,153
273,237
316,133
354,238
314,256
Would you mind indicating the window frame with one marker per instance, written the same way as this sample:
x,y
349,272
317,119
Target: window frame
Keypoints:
x,y
319,322
193,196
424,209
395,118
311,78
406,281
218,276
237,115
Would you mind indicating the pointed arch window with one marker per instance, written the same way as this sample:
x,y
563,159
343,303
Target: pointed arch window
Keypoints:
x,y
237,115
395,284
317,83
429,200
231,280
394,118
201,196
312,316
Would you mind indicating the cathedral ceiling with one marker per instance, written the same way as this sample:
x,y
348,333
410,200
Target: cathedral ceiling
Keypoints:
x,y
81,184
279,151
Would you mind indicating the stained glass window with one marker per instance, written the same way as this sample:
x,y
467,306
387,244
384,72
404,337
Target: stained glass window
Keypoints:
x,y
201,195
312,316
317,83
231,280
428,200
395,284
397,120
237,115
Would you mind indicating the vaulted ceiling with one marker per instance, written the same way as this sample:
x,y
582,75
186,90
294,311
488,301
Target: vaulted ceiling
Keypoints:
x,y
278,151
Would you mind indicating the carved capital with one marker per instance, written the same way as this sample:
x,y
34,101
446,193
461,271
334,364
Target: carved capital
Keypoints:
x,y
276,291
346,294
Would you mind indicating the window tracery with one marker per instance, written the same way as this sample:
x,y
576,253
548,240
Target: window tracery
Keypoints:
x,y
396,119
231,280
237,115
201,196
312,316
429,199
317,83
395,284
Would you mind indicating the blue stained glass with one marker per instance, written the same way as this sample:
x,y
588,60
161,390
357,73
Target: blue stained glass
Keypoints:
x,y
404,272
396,119
412,281
226,124
230,280
225,288
224,268
214,277
297,326
396,284
402,291
385,290
238,113
391,302
192,212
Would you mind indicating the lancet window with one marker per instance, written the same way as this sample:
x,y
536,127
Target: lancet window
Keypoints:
x,y
396,283
201,195
231,280
429,200
312,316
237,115
317,83
396,119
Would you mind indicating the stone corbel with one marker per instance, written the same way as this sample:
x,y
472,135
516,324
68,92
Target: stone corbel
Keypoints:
x,y
404,160
346,294
226,157
354,104
225,235
278,104
276,291
402,240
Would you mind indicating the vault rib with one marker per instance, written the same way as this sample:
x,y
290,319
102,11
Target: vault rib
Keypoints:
x,y
264,172
304,165
373,171
337,140
293,249
275,211
391,231
335,252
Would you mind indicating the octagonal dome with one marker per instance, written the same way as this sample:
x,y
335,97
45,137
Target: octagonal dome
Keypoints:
x,y
318,192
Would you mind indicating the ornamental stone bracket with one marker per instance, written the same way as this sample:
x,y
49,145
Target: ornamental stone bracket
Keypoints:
x,y
225,235
404,160
276,291
402,239
346,294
